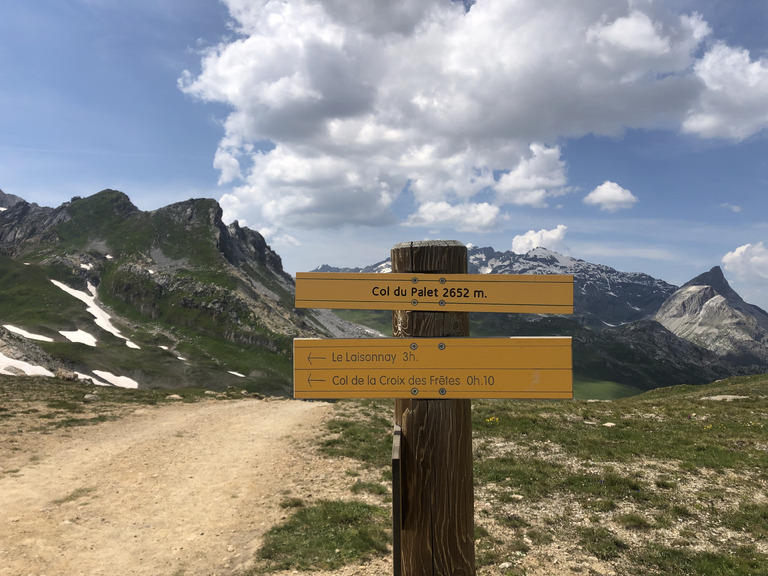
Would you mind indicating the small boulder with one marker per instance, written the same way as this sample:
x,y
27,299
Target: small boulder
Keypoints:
x,y
64,374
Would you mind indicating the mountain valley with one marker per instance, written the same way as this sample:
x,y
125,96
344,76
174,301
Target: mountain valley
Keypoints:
x,y
175,297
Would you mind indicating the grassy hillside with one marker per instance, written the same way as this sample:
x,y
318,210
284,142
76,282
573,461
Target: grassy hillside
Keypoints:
x,y
31,301
669,482
165,280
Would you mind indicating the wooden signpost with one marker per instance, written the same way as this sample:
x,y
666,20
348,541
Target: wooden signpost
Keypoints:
x,y
433,369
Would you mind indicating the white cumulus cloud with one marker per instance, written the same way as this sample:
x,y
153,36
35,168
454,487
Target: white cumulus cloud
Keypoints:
x,y
748,266
749,263
536,178
734,103
336,107
552,239
610,197
481,217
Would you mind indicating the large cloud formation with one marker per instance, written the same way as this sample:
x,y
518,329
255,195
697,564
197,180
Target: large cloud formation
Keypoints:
x,y
339,109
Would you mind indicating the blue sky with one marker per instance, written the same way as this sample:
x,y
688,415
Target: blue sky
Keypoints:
x,y
629,133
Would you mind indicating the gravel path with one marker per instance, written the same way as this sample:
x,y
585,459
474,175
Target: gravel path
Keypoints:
x,y
168,490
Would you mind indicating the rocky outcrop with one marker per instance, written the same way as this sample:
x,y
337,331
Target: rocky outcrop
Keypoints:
x,y
24,222
239,246
8,200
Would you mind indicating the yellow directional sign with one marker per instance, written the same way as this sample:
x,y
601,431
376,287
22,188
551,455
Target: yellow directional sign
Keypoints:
x,y
526,293
425,368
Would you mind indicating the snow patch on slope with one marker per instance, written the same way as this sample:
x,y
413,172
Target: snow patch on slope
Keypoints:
x,y
29,335
79,336
102,319
13,367
121,381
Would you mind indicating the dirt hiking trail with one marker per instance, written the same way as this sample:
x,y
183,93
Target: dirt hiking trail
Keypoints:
x,y
175,489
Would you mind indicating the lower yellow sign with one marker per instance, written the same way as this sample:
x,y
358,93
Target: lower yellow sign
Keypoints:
x,y
424,368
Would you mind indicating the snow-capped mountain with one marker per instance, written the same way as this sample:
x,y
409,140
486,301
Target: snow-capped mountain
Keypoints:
x,y
603,296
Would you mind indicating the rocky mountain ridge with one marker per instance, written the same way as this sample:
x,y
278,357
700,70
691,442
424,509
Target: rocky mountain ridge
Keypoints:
x,y
205,303
193,301
603,296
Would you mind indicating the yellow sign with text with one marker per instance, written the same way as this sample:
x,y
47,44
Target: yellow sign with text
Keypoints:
x,y
523,293
429,368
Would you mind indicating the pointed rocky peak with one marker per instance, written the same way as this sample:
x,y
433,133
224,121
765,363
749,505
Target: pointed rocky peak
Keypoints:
x,y
692,297
712,278
716,279
241,244
709,313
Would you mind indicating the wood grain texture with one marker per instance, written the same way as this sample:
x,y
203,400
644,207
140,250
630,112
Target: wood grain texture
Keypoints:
x,y
436,443
397,505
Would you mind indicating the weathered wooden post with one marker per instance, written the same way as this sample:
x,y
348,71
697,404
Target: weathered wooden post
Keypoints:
x,y
437,533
